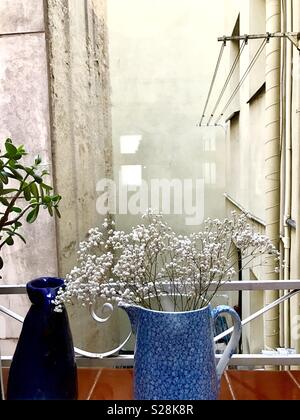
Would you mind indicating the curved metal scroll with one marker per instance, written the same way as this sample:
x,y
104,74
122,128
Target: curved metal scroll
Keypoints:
x,y
101,320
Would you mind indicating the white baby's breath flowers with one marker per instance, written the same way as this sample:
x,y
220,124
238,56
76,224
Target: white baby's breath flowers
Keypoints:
x,y
151,263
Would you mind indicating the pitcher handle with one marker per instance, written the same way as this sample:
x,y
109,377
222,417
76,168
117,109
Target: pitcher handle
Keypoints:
x,y
234,340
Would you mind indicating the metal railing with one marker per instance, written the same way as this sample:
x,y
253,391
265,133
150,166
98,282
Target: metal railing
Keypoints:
x,y
115,359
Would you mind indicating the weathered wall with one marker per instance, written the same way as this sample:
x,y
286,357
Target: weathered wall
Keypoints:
x,y
24,116
54,98
80,107
246,182
163,55
295,205
245,147
245,134
81,133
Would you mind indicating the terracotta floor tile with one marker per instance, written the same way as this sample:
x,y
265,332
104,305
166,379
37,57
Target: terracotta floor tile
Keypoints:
x,y
117,384
87,379
226,392
114,384
5,378
263,385
296,377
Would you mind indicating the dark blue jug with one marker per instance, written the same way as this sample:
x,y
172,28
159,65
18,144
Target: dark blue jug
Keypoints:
x,y
43,366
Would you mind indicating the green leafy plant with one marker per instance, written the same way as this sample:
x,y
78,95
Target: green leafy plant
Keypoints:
x,y
21,184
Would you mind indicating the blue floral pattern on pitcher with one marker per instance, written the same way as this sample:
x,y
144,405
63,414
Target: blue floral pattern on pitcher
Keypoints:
x,y
175,353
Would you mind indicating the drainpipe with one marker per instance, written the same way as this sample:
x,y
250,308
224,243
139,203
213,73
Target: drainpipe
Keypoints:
x,y
286,175
283,171
272,163
295,303
288,165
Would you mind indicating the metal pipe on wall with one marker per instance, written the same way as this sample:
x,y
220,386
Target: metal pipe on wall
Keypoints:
x,y
295,302
272,162
283,92
288,166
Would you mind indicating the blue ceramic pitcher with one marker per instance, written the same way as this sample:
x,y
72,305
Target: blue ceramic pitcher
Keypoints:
x,y
175,353
43,366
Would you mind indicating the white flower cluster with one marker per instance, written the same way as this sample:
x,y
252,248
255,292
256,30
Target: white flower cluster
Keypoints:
x,y
152,263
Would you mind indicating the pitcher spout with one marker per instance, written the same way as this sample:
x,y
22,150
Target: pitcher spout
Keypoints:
x,y
43,291
133,313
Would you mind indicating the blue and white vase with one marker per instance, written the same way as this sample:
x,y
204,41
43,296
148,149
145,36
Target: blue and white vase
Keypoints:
x,y
175,353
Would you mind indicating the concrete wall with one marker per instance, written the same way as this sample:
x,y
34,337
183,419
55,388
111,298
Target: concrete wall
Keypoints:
x,y
24,116
245,146
163,54
81,136
245,154
295,205
55,98
80,115
245,134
